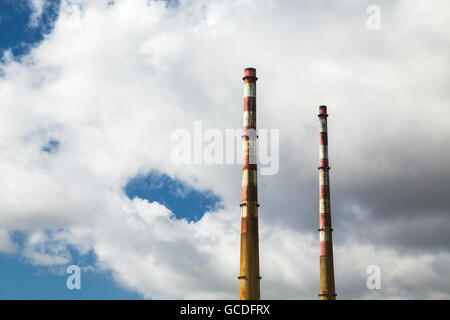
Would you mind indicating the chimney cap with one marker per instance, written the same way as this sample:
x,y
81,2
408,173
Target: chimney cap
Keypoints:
x,y
323,111
249,73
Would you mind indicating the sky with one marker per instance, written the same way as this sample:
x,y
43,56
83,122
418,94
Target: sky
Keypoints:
x,y
91,93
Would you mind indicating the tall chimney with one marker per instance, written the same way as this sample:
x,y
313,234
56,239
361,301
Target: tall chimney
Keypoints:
x,y
249,266
327,290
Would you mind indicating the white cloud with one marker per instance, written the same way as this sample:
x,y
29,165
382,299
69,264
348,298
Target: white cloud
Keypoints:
x,y
111,83
37,7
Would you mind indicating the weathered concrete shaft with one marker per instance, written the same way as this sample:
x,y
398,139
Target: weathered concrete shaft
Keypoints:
x,y
249,267
327,289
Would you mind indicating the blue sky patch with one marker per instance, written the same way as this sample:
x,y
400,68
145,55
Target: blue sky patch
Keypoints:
x,y
21,280
16,32
183,200
51,147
